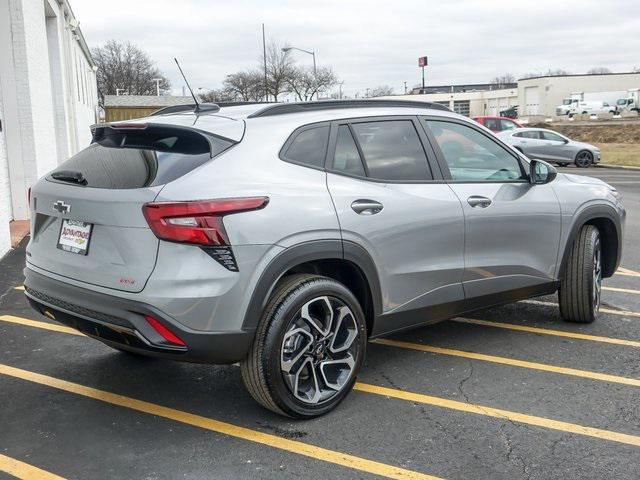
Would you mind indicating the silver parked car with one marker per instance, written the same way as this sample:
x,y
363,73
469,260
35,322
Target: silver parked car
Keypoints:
x,y
284,236
551,146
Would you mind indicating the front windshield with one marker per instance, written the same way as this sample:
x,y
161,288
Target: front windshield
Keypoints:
x,y
567,101
622,101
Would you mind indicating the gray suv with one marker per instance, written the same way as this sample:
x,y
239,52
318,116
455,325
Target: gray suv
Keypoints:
x,y
284,236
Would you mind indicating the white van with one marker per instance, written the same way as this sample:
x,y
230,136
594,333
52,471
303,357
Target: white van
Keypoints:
x,y
594,107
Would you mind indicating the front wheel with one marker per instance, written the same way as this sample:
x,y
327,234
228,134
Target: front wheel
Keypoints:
x,y
580,290
308,348
584,158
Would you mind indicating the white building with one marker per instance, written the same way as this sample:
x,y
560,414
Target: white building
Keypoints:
x,y
471,100
541,95
48,98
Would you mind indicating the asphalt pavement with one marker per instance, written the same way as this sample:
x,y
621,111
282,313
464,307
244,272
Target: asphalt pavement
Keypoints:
x,y
506,393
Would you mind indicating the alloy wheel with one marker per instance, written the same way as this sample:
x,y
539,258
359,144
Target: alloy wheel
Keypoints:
x,y
584,159
319,350
597,276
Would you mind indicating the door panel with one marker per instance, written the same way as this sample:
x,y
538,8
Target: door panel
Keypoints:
x,y
416,239
381,184
512,242
512,228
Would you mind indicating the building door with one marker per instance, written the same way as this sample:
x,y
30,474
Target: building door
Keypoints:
x,y
531,100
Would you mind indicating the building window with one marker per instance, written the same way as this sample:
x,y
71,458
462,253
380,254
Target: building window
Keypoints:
x,y
461,106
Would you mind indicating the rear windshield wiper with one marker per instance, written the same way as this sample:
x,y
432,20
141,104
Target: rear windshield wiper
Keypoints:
x,y
70,176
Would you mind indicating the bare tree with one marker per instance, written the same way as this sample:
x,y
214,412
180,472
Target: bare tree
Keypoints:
x,y
123,66
503,79
635,70
247,85
598,70
381,91
549,73
218,95
280,67
304,82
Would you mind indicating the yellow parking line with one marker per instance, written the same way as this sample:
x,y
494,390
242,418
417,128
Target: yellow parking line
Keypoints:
x,y
24,471
547,331
20,287
627,271
498,413
543,367
622,290
623,313
293,446
44,325
315,451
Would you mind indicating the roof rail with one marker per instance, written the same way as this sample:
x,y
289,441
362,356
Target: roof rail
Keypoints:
x,y
201,108
284,108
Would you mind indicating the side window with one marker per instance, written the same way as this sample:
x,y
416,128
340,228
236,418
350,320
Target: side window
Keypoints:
x,y
472,156
346,158
533,134
552,136
309,147
392,150
507,125
492,124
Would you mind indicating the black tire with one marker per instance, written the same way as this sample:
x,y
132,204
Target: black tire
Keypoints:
x,y
580,290
584,158
263,371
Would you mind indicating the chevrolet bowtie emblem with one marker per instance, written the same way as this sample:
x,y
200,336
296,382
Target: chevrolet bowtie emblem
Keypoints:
x,y
61,207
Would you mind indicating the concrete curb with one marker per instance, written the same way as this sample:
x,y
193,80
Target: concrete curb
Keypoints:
x,y
621,167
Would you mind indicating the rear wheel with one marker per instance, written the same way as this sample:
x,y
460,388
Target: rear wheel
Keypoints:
x,y
308,349
584,158
580,289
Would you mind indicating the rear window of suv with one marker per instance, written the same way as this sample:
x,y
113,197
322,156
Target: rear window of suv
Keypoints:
x,y
136,158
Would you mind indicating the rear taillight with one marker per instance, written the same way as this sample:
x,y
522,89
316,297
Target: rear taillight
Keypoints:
x,y
199,223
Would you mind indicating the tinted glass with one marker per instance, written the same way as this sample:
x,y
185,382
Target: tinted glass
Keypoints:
x,y
492,124
552,136
507,125
472,156
141,158
392,150
347,159
535,135
309,147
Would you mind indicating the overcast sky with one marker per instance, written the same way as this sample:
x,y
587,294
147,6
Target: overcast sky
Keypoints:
x,y
371,43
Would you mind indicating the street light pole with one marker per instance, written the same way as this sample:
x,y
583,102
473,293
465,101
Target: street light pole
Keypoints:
x,y
313,54
157,80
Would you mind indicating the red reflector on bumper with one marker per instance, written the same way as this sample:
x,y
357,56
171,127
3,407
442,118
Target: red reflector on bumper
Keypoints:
x,y
163,331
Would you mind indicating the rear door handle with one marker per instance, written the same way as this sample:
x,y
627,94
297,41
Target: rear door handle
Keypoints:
x,y
478,201
366,207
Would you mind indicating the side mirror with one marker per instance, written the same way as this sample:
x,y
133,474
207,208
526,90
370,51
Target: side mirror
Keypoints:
x,y
541,172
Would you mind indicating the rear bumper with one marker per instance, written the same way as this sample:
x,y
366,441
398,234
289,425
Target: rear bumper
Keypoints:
x,y
120,322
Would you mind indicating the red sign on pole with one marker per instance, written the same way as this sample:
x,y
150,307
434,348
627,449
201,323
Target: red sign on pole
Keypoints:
x,y
422,62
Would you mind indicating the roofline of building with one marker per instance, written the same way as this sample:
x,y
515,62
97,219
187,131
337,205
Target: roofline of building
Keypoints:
x,y
83,43
579,75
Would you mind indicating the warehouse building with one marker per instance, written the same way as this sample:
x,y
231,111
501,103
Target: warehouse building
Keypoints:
x,y
48,98
470,99
126,107
541,95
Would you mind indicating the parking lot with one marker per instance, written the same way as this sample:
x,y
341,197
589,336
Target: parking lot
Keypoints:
x,y
508,393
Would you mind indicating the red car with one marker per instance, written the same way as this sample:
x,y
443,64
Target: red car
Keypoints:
x,y
498,124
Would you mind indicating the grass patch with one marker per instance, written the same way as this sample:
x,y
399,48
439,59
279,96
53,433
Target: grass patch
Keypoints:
x,y
619,153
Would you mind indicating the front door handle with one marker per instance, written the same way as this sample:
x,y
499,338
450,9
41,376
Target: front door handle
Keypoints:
x,y
366,207
478,201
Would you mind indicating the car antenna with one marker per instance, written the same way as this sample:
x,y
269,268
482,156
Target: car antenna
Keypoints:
x,y
197,109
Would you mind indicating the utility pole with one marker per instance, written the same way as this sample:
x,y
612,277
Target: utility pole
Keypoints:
x,y
340,87
264,56
405,88
367,94
157,80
